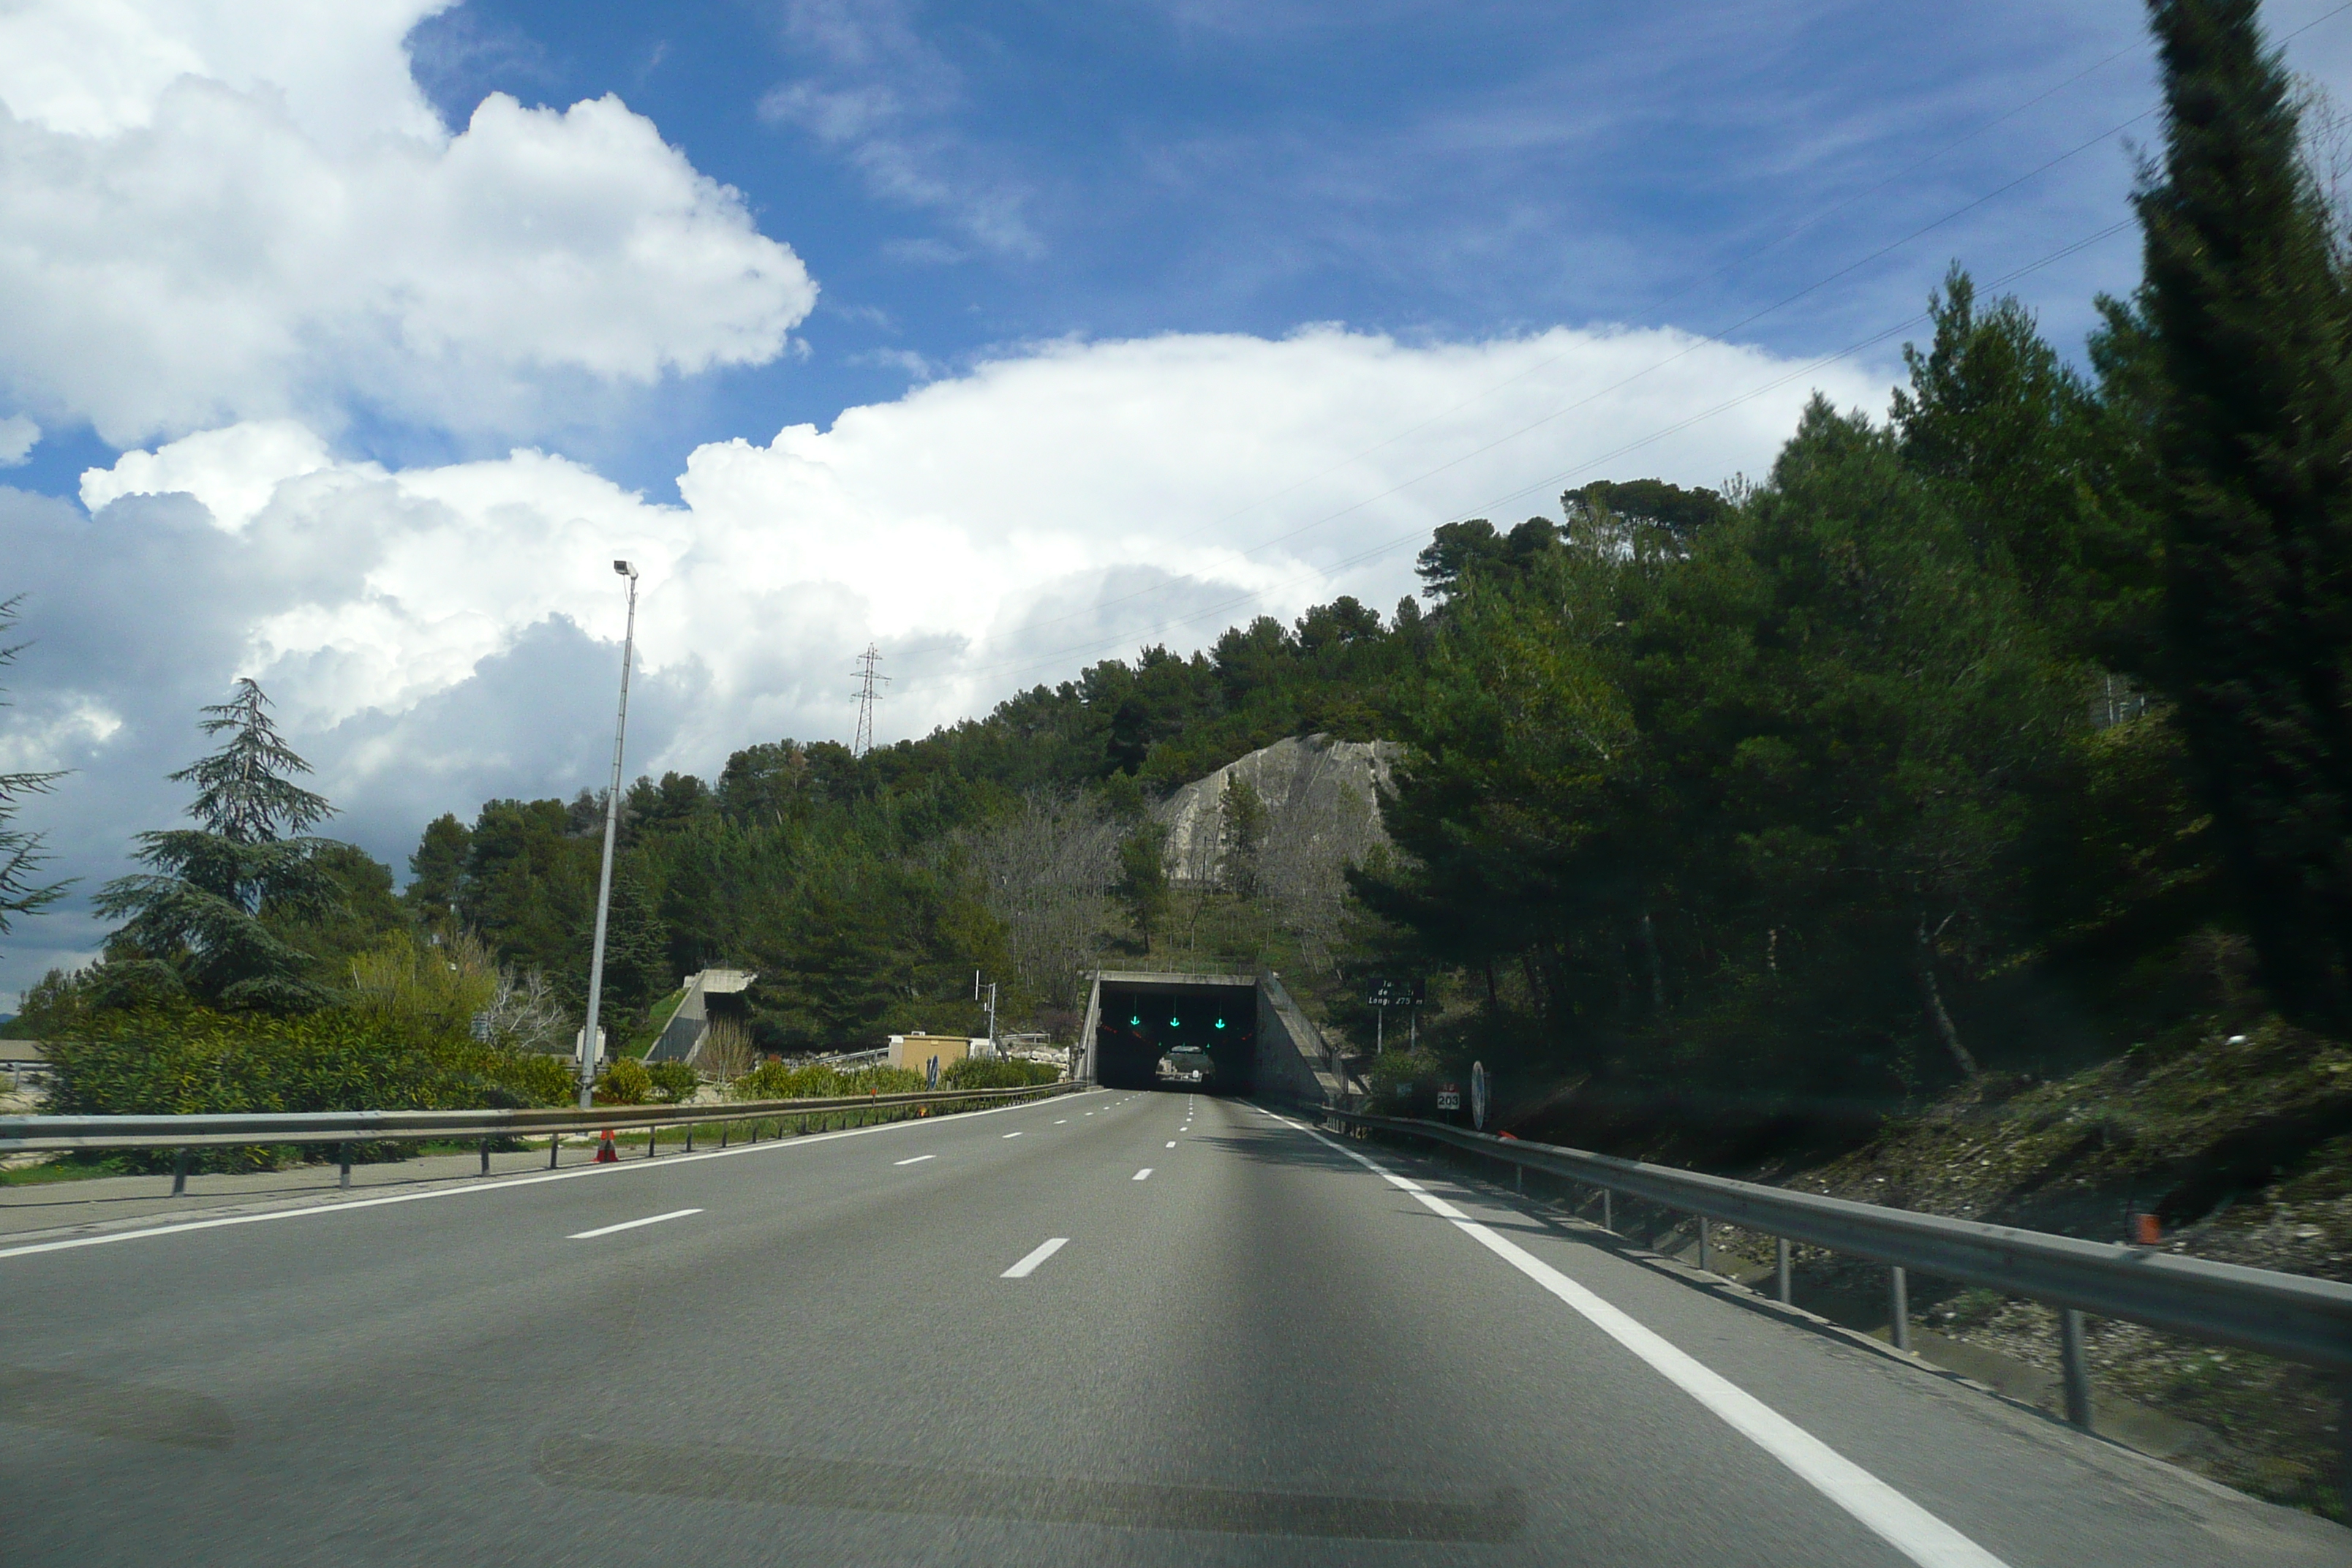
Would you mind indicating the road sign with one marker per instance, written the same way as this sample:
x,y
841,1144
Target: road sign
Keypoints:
x,y
1385,994
1449,1099
1479,1095
1404,1090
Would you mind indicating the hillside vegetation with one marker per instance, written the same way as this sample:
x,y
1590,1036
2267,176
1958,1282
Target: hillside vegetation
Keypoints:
x,y
1960,742
2000,741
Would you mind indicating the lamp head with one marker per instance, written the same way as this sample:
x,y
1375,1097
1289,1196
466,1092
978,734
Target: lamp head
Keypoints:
x,y
624,568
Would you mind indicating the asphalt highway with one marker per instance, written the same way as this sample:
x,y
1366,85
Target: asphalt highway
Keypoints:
x,y
1111,1328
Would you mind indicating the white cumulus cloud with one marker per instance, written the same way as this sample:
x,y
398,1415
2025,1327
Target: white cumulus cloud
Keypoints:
x,y
221,213
233,471
437,636
993,529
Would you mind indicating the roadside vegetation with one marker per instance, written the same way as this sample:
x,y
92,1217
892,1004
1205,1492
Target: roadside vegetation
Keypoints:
x,y
1958,813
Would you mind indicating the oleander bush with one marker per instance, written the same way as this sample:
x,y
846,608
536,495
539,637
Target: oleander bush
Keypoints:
x,y
775,1080
1009,1073
188,1060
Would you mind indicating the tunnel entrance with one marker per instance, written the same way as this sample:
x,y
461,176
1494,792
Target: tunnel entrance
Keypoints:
x,y
1159,1032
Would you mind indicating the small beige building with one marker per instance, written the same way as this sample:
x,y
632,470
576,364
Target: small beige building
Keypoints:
x,y
915,1051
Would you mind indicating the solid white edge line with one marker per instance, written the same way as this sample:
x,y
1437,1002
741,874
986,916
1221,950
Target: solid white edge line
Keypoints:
x,y
916,1160
505,1184
1028,1265
1876,1506
1144,1174
629,1225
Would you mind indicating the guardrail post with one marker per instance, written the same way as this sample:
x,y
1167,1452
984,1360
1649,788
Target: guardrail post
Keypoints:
x,y
180,1174
1898,1301
651,1134
689,1137
344,1151
486,1156
2074,1367
2343,1440
1608,1218
554,1147
1780,1268
1706,1244
722,1135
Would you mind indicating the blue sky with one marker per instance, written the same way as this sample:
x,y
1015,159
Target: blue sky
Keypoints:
x,y
349,340
959,177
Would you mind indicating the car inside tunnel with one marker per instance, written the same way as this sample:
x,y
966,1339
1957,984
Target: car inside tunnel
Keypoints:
x,y
1159,1034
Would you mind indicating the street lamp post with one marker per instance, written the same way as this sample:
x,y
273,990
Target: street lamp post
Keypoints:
x,y
612,826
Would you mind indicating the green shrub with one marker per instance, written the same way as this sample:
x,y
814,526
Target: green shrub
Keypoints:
x,y
674,1083
625,1082
1010,1072
774,1081
533,1077
188,1060
1392,1070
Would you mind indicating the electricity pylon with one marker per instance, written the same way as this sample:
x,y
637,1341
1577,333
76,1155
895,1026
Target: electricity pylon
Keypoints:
x,y
866,693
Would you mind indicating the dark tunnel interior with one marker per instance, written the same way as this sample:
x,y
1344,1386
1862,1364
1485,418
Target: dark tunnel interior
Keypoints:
x,y
1212,1029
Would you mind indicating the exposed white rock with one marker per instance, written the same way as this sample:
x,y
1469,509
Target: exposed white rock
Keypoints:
x,y
1321,814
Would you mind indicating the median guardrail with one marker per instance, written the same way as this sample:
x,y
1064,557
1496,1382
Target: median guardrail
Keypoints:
x,y
56,1134
2288,1315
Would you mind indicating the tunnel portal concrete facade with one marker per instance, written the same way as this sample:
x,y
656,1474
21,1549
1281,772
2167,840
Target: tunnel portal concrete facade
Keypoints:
x,y
1253,1037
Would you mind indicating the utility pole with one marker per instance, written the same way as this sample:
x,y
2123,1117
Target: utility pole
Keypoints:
x,y
612,826
990,988
866,694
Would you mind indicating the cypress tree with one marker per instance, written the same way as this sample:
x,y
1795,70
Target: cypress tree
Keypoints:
x,y
2247,304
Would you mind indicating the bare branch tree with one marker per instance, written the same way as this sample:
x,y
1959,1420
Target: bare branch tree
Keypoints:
x,y
1049,870
1303,864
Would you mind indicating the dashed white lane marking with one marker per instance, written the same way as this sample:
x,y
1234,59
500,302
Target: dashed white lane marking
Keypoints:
x,y
624,1169
1879,1507
629,1225
916,1160
1028,1265
1144,1174
1061,1122
1171,1142
1012,1134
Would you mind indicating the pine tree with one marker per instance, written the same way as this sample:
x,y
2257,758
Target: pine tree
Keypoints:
x,y
636,952
437,870
2246,300
20,852
197,909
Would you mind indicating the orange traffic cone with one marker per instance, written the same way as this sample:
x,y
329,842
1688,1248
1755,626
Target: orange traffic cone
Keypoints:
x,y
606,1153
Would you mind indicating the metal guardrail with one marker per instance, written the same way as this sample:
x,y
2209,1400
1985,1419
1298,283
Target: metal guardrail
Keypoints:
x,y
31,1134
2286,1315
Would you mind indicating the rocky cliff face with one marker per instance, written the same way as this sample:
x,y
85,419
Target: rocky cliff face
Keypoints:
x,y
1320,814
